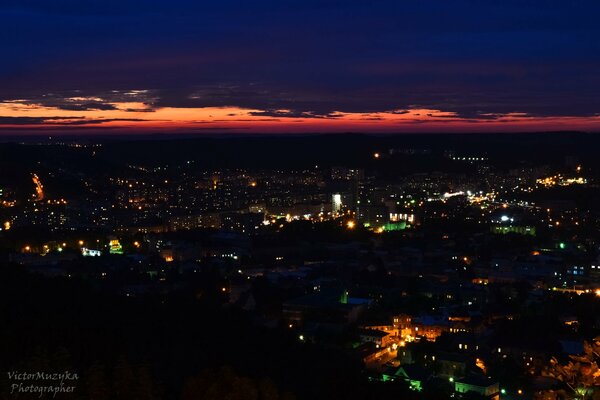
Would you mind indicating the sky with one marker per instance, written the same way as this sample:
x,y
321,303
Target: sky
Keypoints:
x,y
262,66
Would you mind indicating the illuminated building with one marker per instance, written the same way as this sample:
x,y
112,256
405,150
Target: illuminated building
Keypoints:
x,y
380,338
521,230
403,323
479,384
115,247
336,203
90,252
397,217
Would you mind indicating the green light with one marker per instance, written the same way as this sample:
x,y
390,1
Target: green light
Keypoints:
x,y
395,226
562,245
503,391
344,297
451,379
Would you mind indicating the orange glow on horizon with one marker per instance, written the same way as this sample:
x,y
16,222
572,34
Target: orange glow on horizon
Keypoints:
x,y
139,116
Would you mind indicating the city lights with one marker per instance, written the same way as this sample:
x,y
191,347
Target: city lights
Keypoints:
x,y
115,247
90,252
421,252
312,200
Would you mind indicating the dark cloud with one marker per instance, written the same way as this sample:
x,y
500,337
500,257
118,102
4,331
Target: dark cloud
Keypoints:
x,y
63,121
34,120
102,121
478,59
293,114
79,101
81,106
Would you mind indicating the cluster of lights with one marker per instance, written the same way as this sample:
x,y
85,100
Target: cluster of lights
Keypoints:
x,y
448,195
469,158
57,202
559,180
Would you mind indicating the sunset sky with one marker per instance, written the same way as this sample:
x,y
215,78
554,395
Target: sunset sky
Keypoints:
x,y
190,66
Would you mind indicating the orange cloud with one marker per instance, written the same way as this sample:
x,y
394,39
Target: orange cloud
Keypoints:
x,y
134,116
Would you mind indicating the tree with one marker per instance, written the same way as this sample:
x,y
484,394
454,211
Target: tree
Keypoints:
x,y
581,374
96,383
224,383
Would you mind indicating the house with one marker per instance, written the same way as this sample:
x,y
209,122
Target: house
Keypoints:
x,y
405,355
479,384
332,307
369,352
380,338
452,365
429,327
415,375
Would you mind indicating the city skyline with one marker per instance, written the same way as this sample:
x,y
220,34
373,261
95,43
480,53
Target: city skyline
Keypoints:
x,y
301,200
367,267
